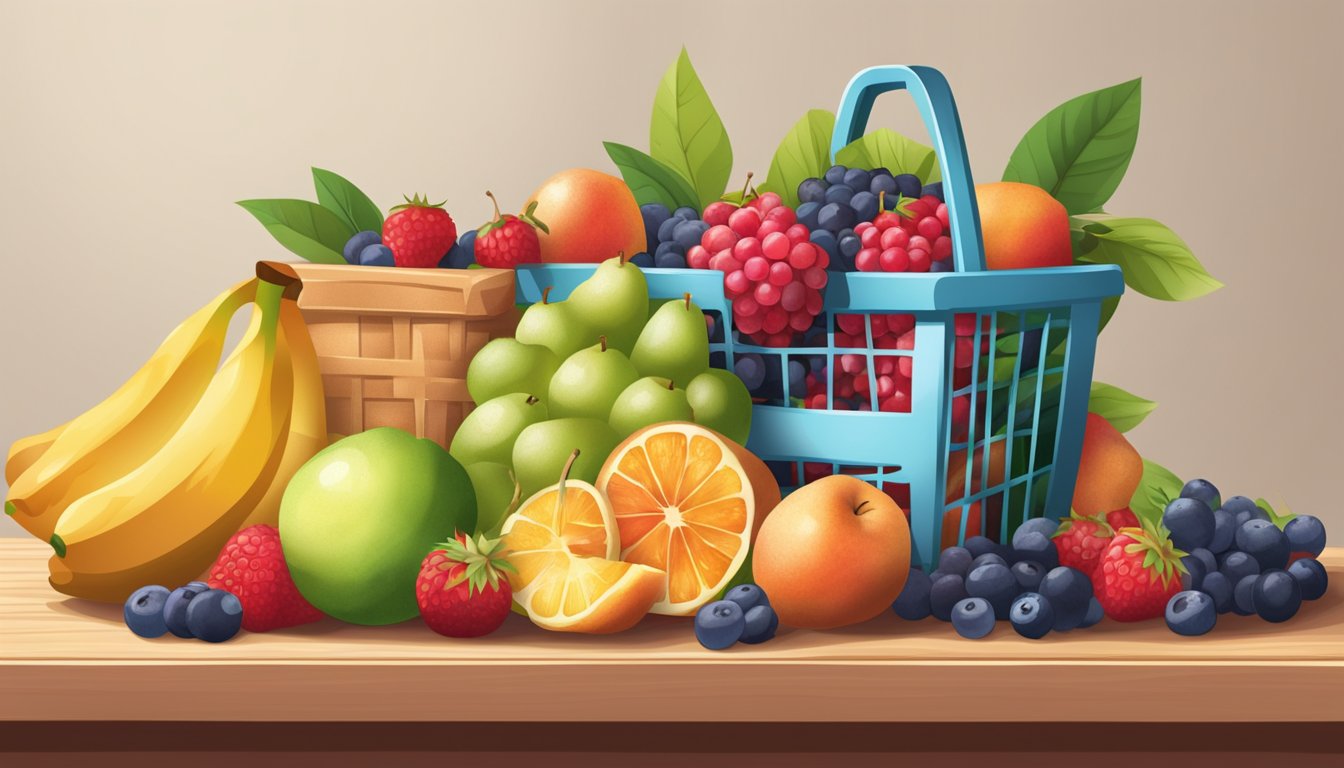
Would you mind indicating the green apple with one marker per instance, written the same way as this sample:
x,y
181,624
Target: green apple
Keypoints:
x,y
542,449
488,432
494,487
674,343
556,327
359,518
588,383
614,300
721,402
504,366
651,400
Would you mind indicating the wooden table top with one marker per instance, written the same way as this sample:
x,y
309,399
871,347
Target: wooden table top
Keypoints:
x,y
63,659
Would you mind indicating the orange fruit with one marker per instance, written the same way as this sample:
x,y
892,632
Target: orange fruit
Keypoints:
x,y
592,216
1023,226
1109,469
686,503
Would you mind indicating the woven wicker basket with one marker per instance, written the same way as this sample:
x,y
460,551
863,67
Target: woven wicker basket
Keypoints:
x,y
394,344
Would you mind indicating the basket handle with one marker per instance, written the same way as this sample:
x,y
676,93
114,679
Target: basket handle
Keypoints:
x,y
929,89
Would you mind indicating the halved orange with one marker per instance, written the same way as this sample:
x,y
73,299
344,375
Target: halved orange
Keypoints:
x,y
684,504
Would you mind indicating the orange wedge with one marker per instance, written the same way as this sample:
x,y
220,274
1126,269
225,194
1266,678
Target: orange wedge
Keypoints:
x,y
684,504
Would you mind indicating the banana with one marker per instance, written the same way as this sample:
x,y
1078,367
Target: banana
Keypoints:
x,y
119,434
26,450
175,510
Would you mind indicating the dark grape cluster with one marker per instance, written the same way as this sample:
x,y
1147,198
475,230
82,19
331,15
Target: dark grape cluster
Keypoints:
x,y
669,235
838,207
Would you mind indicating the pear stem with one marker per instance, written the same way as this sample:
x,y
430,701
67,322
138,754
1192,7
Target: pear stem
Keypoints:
x,y
671,385
687,297
491,195
532,400
603,341
620,258
546,294
746,187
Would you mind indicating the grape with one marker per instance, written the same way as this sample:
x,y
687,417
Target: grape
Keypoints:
x,y
750,368
686,213
666,248
935,189
797,378
857,178
807,214
883,184
864,205
654,215
669,259
836,174
666,228
827,243
839,193
908,185
688,232
834,217
642,260
811,191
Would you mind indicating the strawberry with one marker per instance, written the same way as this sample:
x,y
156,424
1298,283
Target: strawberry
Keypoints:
x,y
507,241
419,233
459,590
1081,540
1122,518
252,566
1138,574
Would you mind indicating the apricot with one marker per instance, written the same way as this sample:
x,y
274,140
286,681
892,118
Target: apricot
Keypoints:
x,y
1109,470
1023,226
592,216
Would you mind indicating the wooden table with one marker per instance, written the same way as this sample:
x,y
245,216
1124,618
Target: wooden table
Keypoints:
x,y
70,667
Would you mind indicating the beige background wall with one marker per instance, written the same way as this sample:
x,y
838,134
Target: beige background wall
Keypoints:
x,y
129,128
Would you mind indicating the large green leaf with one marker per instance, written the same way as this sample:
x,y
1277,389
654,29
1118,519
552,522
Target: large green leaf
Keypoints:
x,y
306,229
1125,411
1155,260
885,148
1080,150
804,153
649,180
686,133
347,201
1157,486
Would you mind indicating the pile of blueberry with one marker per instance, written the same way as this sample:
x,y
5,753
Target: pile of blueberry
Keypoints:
x,y
1239,560
195,610
366,249
669,235
743,615
984,582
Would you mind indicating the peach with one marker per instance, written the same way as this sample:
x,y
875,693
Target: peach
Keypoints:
x,y
1108,472
1023,226
592,216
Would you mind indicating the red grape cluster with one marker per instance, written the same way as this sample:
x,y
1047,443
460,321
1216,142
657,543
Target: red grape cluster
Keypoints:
x,y
772,272
893,242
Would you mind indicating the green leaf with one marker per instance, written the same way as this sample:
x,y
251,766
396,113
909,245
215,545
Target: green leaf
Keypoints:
x,y
347,201
804,153
1157,486
1124,410
649,180
306,229
1080,150
686,134
1108,307
1156,262
885,148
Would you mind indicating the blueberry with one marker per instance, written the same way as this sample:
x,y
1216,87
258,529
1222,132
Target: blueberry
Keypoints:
x,y
1243,596
973,618
1032,615
669,259
468,241
654,215
936,575
175,607
1237,565
797,378
457,258
671,247
357,243
1191,613
1311,577
942,265
955,560
883,184
1068,590
947,591
1029,575
1034,546
835,216
1203,490
1224,531
1094,614
688,233
826,241
812,191
835,174
666,229
986,559
1195,571
1217,587
1277,596
982,545
719,624
747,596
686,213
880,171
1190,522
1207,563
864,205
839,193
1264,541
807,214
1305,533
376,256
1042,525
857,178
759,624
642,260
215,615
935,189
1242,504
996,584
850,245
908,184
913,602
144,611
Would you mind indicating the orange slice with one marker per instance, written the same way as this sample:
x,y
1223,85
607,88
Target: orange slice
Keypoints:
x,y
684,504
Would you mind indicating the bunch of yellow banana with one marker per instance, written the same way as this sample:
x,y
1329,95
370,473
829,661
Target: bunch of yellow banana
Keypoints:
x,y
148,485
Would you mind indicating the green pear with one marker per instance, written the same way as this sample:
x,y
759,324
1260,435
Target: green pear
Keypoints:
x,y
673,344
651,400
614,301
588,383
496,495
504,366
721,402
488,432
556,327
542,449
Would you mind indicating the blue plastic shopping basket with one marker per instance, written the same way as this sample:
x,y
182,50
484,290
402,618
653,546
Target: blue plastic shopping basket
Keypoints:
x,y
1013,452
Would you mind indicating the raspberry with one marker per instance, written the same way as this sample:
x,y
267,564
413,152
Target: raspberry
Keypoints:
x,y
252,566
